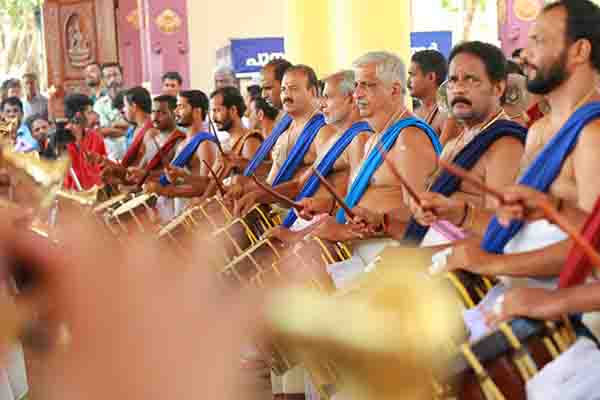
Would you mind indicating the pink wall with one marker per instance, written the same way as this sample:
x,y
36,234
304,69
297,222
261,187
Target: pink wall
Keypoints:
x,y
515,18
130,51
160,45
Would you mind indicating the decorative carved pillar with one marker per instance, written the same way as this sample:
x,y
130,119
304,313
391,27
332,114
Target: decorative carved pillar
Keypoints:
x,y
514,20
76,32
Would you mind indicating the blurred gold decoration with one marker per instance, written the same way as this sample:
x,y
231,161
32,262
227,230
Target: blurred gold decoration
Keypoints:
x,y
134,19
42,177
526,10
84,198
386,339
168,21
8,127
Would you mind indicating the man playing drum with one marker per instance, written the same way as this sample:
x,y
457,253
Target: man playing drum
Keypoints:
x,y
296,148
198,146
412,147
342,150
487,146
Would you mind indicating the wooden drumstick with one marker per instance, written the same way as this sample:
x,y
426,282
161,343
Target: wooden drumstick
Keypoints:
x,y
162,155
468,177
332,191
553,215
411,192
216,179
549,211
280,197
148,171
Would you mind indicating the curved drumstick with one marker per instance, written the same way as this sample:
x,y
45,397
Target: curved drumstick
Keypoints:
x,y
337,197
216,178
280,197
549,211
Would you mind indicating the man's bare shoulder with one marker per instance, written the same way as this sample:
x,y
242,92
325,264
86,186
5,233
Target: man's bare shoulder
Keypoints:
x,y
327,131
590,136
413,136
507,148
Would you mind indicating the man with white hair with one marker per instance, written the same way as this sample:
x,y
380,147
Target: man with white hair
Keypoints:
x,y
224,76
334,156
411,146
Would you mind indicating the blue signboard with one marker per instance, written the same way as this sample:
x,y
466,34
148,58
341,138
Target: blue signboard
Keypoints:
x,y
440,41
249,55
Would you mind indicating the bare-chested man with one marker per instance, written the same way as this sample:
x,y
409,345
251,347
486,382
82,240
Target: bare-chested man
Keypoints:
x,y
412,146
296,149
198,146
488,146
562,59
340,111
560,66
428,70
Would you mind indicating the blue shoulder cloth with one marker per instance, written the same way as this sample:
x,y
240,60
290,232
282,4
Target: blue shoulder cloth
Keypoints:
x,y
267,145
326,165
447,184
188,151
543,171
296,155
374,159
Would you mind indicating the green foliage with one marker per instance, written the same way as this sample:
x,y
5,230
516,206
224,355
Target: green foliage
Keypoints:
x,y
451,5
19,10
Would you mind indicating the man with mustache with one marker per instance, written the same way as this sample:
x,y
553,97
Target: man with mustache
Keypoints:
x,y
272,76
343,149
198,146
113,126
411,145
428,70
93,80
487,146
227,106
562,62
159,146
296,149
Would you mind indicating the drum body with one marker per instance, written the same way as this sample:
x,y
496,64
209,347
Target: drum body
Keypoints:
x,y
202,219
240,234
499,365
133,213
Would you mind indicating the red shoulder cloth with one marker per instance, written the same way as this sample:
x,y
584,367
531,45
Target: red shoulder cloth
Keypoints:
x,y
166,148
578,267
534,113
88,174
134,149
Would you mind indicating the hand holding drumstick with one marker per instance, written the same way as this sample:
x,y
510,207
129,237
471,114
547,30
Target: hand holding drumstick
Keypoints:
x,y
520,202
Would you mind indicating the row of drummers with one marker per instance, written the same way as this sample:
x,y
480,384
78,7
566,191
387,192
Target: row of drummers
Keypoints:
x,y
345,184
